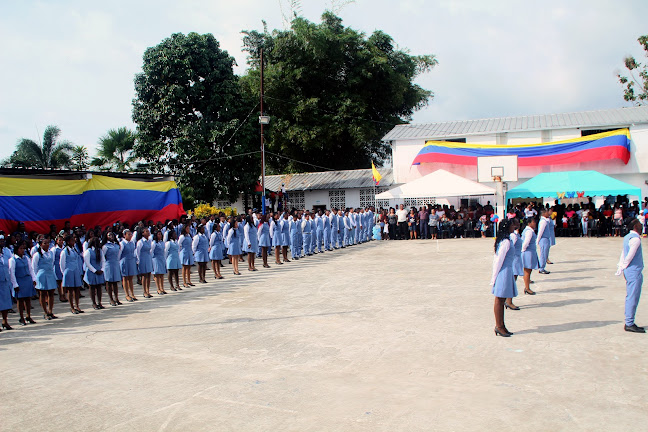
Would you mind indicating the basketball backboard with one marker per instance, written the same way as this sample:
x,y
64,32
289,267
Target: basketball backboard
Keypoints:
x,y
490,167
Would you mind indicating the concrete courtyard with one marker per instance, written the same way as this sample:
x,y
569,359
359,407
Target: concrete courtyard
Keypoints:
x,y
387,336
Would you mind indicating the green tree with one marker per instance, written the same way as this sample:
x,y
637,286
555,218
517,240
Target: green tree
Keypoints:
x,y
192,120
332,92
79,160
635,85
115,151
51,154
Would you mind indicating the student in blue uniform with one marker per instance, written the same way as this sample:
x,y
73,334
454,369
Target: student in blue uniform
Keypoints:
x,y
529,254
284,226
173,263
159,261
23,281
275,236
233,245
200,248
58,248
503,280
128,264
307,229
348,230
112,271
518,268
294,239
224,228
43,265
5,288
544,240
94,261
264,239
216,250
631,264
71,268
145,261
251,243
326,230
552,234
186,255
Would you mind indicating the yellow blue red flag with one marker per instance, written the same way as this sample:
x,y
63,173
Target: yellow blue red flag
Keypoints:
x,y
376,174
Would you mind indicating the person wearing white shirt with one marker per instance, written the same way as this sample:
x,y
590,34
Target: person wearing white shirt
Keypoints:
x,y
631,265
503,278
529,253
544,240
401,215
43,266
94,260
23,281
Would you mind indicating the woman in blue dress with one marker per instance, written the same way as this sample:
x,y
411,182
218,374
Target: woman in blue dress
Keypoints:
x,y
216,250
503,279
5,288
264,239
186,255
518,269
128,264
71,269
112,270
234,246
241,235
172,254
43,265
93,259
251,242
284,225
529,253
58,248
200,248
159,261
275,236
23,281
145,261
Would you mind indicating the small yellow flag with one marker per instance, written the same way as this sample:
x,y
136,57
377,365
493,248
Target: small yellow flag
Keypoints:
x,y
376,174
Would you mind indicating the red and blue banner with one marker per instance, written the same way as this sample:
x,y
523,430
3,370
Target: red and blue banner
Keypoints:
x,y
602,146
99,200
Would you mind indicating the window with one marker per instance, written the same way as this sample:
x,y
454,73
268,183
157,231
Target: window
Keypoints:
x,y
296,199
367,197
382,203
418,202
595,131
222,204
457,140
337,199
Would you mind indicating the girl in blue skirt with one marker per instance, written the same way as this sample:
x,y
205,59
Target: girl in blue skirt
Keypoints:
x,y
23,281
159,261
5,288
145,261
71,269
58,248
94,261
186,255
275,236
200,248
216,250
251,243
233,244
128,264
172,254
112,270
264,240
43,265
503,280
518,269
529,253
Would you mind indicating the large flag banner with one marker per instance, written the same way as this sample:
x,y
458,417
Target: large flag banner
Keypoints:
x,y
376,175
100,200
601,146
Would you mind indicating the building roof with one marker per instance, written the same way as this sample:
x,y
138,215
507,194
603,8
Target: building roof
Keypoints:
x,y
348,179
584,119
78,175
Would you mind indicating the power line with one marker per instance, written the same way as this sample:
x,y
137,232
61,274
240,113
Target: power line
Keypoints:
x,y
301,162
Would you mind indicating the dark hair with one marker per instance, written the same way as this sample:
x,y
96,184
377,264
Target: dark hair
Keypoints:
x,y
172,233
633,223
67,239
529,220
502,232
95,242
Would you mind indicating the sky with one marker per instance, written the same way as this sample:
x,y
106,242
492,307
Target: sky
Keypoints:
x,y
72,63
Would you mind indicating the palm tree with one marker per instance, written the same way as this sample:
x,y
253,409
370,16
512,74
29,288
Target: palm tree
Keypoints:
x,y
79,159
52,154
115,151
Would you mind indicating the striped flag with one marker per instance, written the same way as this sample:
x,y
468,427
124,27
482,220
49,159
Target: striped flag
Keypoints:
x,y
376,174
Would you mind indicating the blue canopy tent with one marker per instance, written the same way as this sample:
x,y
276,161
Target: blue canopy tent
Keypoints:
x,y
572,184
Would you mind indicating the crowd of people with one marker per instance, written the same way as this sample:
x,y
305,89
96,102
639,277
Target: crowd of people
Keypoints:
x,y
40,266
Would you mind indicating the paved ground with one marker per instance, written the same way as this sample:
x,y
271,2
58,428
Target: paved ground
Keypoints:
x,y
390,336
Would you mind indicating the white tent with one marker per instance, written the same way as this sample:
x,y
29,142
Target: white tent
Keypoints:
x,y
440,183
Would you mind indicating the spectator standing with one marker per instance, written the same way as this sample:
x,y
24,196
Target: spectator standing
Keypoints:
x,y
401,215
424,218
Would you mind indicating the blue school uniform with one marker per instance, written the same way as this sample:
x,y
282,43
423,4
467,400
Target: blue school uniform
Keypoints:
x,y
544,242
276,233
264,235
251,240
504,286
45,275
112,271
186,252
159,260
634,278
234,245
240,235
71,272
172,251
307,233
128,261
23,277
216,246
530,255
294,239
5,284
284,226
90,277
145,261
57,263
518,268
202,249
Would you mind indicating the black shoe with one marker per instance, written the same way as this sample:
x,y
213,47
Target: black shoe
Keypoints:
x,y
22,322
501,333
634,328
512,307
118,302
7,327
52,316
30,320
544,272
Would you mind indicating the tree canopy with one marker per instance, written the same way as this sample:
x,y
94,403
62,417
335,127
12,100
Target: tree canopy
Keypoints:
x,y
332,92
190,118
51,154
635,85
